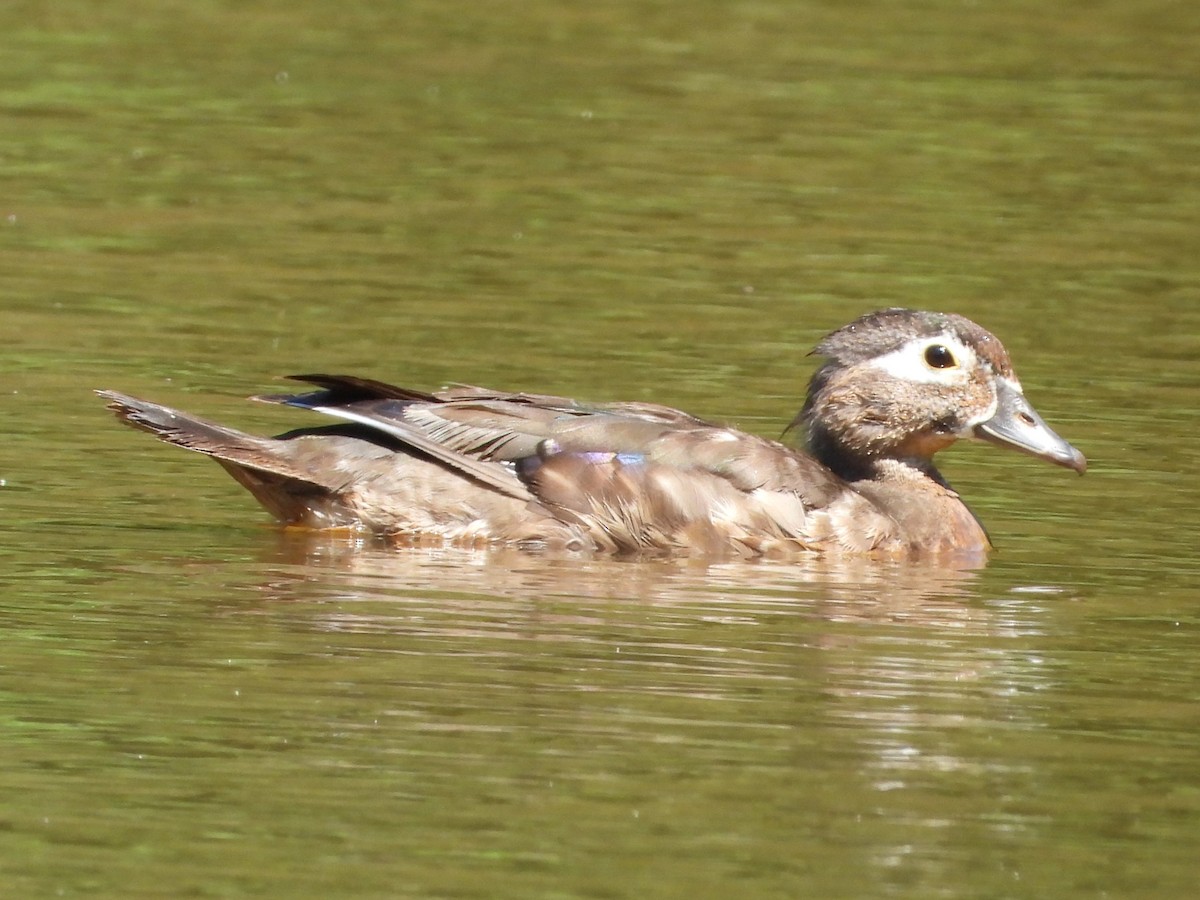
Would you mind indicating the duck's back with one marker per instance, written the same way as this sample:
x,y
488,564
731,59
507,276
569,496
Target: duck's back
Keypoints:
x,y
631,477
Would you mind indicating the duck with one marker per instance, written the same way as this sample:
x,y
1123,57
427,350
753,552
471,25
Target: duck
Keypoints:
x,y
852,474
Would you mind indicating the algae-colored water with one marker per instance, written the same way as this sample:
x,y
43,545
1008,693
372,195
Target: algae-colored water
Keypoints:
x,y
622,201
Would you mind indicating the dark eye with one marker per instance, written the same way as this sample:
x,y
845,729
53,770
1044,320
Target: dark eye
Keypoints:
x,y
938,356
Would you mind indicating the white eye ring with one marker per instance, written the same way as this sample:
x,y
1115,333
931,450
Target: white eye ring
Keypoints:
x,y
909,363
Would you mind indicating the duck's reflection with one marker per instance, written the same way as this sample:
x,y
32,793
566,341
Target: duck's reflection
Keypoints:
x,y
835,587
882,674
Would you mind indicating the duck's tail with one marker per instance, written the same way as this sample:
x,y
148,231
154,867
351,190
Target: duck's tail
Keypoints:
x,y
270,469
192,433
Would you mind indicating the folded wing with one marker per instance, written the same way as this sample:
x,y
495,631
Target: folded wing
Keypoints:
x,y
632,476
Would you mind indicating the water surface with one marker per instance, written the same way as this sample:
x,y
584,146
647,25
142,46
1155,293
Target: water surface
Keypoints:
x,y
669,203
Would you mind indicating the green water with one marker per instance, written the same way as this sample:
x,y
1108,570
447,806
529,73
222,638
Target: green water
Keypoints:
x,y
619,201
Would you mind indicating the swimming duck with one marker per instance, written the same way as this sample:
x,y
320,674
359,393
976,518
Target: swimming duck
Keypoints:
x,y
473,466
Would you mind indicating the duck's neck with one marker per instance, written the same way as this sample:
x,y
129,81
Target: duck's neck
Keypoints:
x,y
930,514
854,465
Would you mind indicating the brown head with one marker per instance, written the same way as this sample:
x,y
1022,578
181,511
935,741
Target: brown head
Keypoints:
x,y
904,384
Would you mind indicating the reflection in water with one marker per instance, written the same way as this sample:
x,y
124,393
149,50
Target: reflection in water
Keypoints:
x,y
897,662
840,587
892,639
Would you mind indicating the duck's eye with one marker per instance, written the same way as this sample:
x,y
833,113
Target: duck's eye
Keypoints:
x,y
938,356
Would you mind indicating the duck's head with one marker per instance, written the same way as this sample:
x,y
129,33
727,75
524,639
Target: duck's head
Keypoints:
x,y
904,384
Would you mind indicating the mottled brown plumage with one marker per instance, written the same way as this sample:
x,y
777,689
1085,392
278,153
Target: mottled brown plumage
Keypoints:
x,y
474,466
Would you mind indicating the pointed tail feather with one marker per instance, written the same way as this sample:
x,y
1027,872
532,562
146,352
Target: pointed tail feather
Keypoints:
x,y
187,431
292,492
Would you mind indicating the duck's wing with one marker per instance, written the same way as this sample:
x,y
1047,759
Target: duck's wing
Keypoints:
x,y
637,476
395,413
483,424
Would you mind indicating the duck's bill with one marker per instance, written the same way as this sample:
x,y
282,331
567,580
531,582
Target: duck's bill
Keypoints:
x,y
1016,424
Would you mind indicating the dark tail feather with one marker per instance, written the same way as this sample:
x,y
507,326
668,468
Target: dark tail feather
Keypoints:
x,y
340,390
